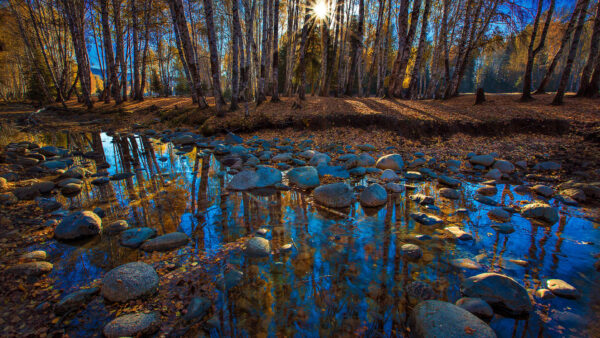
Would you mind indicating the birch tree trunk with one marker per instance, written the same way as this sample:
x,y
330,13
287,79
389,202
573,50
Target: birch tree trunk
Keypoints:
x,y
214,55
562,85
275,73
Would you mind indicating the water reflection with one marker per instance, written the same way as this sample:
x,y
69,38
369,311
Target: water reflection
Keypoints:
x,y
344,275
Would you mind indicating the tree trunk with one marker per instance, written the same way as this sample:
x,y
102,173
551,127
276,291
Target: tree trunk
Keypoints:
x,y
275,74
249,11
178,16
136,51
75,12
560,93
412,88
531,51
111,68
405,41
214,55
263,59
147,11
237,53
563,45
120,48
324,91
302,56
585,84
357,41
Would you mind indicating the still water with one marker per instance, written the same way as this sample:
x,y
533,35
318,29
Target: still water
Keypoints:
x,y
344,274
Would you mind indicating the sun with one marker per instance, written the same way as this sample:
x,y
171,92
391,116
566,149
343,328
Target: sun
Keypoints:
x,y
320,10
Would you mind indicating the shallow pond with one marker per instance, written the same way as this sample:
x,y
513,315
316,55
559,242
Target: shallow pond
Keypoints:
x,y
344,274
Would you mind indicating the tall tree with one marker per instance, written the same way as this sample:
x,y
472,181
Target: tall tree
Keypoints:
x,y
405,39
214,55
531,51
587,86
111,68
120,47
356,58
302,57
237,54
275,96
75,13
412,87
562,85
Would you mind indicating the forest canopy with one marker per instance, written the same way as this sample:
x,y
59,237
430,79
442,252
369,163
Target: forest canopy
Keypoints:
x,y
254,50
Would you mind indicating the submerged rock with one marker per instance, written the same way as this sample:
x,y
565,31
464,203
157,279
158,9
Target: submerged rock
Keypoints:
x,y
116,227
499,291
166,242
425,219
197,309
133,325
304,177
433,318
74,300
562,289
450,193
133,238
129,281
459,233
476,306
373,196
258,247
262,177
335,195
78,224
541,211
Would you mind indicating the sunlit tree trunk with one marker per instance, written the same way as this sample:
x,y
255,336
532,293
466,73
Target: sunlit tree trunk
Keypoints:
x,y
111,68
120,47
275,73
302,56
405,40
214,55
75,12
562,85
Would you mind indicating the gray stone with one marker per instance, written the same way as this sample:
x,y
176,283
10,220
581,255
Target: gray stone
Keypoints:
x,y
261,178
304,177
70,190
78,224
116,227
425,219
389,175
166,242
365,160
26,193
562,289
547,166
420,291
493,174
413,175
422,199
487,190
47,204
541,211
197,309
465,263
484,160
229,280
373,196
411,251
476,306
394,187
459,233
500,291
433,318
31,268
335,195
448,181
258,247
391,161
504,228
504,166
133,238
38,255
133,325
499,214
543,190
544,294
485,200
129,281
75,300
449,193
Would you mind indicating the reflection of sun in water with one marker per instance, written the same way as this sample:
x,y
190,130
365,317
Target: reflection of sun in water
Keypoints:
x,y
320,9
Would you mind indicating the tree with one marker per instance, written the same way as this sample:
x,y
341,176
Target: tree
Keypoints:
x,y
412,88
111,68
275,96
588,86
214,55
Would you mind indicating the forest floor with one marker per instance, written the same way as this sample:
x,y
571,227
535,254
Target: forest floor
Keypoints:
x,y
531,131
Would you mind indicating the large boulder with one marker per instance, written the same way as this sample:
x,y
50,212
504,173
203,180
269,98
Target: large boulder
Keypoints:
x,y
133,325
391,161
335,195
166,242
258,247
78,224
304,177
129,281
500,291
541,211
434,318
373,196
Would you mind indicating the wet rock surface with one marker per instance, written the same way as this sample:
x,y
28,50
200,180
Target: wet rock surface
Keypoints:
x,y
129,281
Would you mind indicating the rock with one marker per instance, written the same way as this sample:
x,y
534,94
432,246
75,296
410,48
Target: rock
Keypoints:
x,y
75,300
420,291
504,166
413,175
425,219
8,199
38,255
504,228
76,172
411,251
574,193
547,166
433,318
232,138
55,164
100,181
229,280
366,147
484,160
485,200
3,184
121,176
487,190
449,193
133,325
78,224
31,268
394,187
166,242
261,178
543,190
389,175
521,164
365,160
465,263
53,151
284,157
197,309
70,190
422,199
133,238
500,291
499,214
319,159
544,294
304,177
417,163
493,174
459,233
448,181
48,204
258,247
129,281
476,306
357,172
335,195
562,288
116,227
183,139
26,193
44,187
373,196
541,211
391,161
